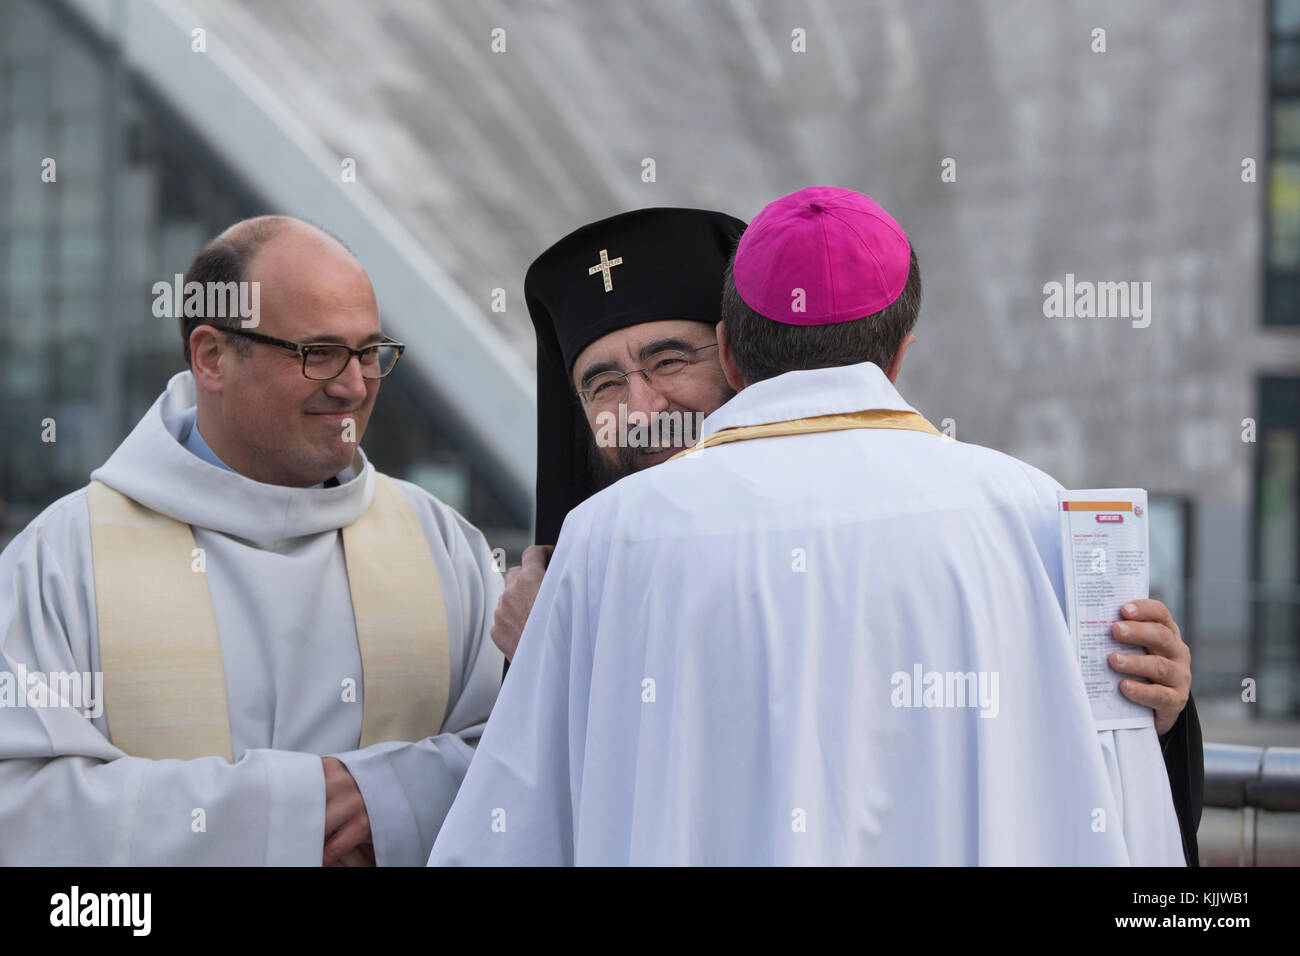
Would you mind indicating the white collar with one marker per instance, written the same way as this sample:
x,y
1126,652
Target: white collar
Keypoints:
x,y
152,467
806,394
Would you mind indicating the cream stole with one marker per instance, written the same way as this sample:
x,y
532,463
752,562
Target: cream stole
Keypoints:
x,y
164,685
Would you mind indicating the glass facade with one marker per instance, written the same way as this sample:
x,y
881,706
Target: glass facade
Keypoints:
x,y
103,192
1276,663
1282,267
1275,602
1170,542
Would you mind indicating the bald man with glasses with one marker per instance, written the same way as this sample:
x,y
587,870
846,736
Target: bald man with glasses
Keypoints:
x,y
287,652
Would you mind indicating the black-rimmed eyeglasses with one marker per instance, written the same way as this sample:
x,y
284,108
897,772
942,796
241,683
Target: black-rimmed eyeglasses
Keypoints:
x,y
322,361
610,389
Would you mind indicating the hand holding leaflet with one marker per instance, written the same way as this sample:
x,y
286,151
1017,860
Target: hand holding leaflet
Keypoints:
x,y
1105,549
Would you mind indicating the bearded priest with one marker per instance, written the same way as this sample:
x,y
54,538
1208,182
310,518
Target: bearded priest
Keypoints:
x,y
711,671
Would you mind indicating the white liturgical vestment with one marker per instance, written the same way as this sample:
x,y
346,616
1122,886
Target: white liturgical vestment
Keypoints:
x,y
294,687
843,647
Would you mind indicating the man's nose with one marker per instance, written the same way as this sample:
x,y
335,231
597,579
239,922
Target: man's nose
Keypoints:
x,y
643,395
349,383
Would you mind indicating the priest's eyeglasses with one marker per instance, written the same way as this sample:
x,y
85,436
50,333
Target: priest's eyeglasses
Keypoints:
x,y
326,360
610,389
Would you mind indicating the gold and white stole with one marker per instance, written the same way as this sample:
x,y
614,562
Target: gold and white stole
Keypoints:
x,y
839,421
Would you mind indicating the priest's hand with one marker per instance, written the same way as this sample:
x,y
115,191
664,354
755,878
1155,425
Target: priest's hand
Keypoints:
x,y
1167,663
347,827
363,855
522,585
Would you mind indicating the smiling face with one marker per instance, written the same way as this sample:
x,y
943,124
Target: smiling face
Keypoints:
x,y
257,411
697,388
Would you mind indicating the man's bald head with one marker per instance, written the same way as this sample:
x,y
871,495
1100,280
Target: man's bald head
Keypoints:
x,y
229,256
258,408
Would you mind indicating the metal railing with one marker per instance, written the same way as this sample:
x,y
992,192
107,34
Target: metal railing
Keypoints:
x,y
1252,806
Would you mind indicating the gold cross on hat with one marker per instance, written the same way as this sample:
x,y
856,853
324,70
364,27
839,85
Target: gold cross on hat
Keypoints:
x,y
603,268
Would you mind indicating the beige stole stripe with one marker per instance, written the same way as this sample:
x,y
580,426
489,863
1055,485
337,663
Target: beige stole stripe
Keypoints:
x,y
401,620
870,418
164,686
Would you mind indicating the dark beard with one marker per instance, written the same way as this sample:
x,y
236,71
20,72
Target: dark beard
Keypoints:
x,y
605,471
627,459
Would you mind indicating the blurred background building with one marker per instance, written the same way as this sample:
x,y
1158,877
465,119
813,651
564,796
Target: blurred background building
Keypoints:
x,y
1164,149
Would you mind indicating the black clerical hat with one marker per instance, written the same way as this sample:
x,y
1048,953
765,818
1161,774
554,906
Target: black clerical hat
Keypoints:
x,y
639,266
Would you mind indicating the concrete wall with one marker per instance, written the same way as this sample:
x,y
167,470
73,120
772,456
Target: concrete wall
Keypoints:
x,y
1123,165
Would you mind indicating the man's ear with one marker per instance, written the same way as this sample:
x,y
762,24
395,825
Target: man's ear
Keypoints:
x,y
896,363
205,358
729,369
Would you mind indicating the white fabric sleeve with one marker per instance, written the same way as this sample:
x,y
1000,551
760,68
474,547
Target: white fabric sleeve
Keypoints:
x,y
409,787
1146,804
268,809
69,797
1134,762
515,807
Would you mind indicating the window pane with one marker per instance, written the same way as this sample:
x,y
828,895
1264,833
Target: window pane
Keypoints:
x,y
1286,125
1286,15
1168,533
1282,299
1284,214
1284,64
77,81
